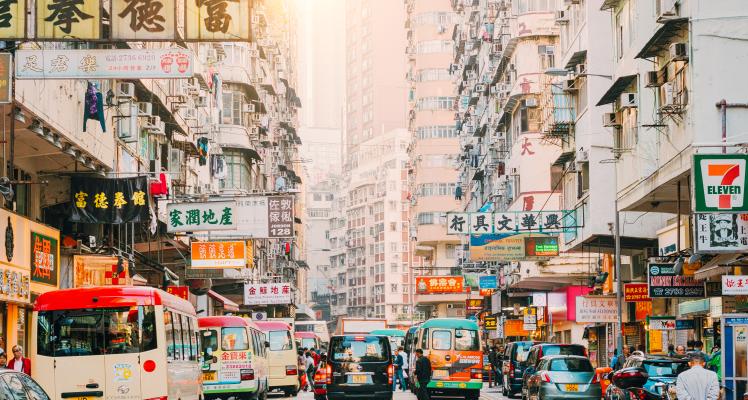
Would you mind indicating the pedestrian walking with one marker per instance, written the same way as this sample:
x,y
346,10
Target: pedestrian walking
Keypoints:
x,y
697,383
715,361
398,362
493,359
698,347
423,375
310,369
19,362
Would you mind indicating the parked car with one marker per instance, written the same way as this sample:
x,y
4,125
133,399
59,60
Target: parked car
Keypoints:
x,y
651,377
515,354
359,366
20,386
538,351
563,377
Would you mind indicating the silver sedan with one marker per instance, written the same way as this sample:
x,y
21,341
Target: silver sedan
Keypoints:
x,y
564,377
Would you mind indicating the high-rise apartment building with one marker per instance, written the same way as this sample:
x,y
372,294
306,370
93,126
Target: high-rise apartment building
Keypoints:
x,y
435,147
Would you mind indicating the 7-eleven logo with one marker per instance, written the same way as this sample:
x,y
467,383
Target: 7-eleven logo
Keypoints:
x,y
723,182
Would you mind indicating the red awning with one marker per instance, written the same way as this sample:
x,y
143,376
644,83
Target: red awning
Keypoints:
x,y
228,305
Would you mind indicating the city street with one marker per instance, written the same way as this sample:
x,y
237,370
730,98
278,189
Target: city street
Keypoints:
x,y
486,394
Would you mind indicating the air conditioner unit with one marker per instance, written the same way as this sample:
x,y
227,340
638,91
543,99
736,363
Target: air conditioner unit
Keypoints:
x,y
127,123
611,120
562,17
678,52
668,98
628,100
126,90
580,69
653,79
480,87
248,108
145,109
201,101
152,123
569,86
665,9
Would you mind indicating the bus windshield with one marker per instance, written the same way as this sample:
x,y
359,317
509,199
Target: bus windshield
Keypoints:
x,y
96,331
309,343
466,340
280,340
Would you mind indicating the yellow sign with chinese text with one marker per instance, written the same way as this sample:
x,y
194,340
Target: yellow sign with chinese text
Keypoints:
x,y
12,20
68,19
144,20
217,20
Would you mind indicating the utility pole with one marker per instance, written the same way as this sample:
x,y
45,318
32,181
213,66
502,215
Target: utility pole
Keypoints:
x,y
619,278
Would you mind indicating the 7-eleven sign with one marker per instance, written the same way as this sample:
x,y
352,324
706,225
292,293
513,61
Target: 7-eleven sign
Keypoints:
x,y
720,182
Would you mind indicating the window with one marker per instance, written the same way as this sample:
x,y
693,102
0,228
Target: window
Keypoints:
x,y
232,107
86,332
451,250
359,349
436,132
178,343
571,365
466,340
280,340
209,341
441,340
238,174
169,330
435,103
434,46
433,74
35,391
15,386
234,338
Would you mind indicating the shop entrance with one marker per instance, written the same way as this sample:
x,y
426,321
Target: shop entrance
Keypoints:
x,y
734,355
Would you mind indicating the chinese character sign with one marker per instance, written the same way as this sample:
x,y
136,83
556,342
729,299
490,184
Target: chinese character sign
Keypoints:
x,y
664,282
218,255
104,64
68,19
12,19
45,263
721,233
635,292
113,201
439,284
5,75
217,20
511,222
206,216
143,19
259,294
280,216
473,304
594,309
179,291
735,285
15,285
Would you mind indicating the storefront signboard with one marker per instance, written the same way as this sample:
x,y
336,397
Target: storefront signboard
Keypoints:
x,y
734,285
664,283
45,259
642,310
514,327
260,217
700,306
683,324
179,291
596,309
481,223
662,324
721,233
635,292
487,282
439,284
541,246
14,285
60,20
201,216
109,201
473,304
173,63
267,293
134,21
6,69
720,183
503,247
221,21
489,323
218,255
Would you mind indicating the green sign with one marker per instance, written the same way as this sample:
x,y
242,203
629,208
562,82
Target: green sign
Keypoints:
x,y
720,183
541,246
205,216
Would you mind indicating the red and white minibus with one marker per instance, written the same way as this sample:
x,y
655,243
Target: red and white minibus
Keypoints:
x,y
118,343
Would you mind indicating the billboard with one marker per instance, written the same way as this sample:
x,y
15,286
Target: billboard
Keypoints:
x,y
507,247
479,223
721,233
596,309
439,284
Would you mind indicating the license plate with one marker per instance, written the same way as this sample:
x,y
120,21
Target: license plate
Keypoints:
x,y
358,379
573,387
209,376
84,398
440,373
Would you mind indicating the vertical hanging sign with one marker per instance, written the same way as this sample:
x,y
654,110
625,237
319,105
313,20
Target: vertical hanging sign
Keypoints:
x,y
68,19
217,20
134,20
12,19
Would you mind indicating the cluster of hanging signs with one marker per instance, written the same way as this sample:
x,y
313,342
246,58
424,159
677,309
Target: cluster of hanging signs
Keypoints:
x,y
128,20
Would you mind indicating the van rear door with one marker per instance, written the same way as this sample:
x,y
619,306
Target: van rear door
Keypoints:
x,y
359,364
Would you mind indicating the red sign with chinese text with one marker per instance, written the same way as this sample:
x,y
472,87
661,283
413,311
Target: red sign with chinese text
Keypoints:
x,y
179,291
633,292
439,284
486,292
473,304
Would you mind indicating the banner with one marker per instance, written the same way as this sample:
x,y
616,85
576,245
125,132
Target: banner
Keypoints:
x,y
172,63
45,263
143,20
596,309
218,255
634,292
217,20
734,285
511,222
502,247
204,216
439,284
68,20
260,217
260,294
92,270
109,201
487,282
721,233
720,182
664,283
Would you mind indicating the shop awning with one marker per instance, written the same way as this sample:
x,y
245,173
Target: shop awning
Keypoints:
x,y
616,89
661,39
608,4
228,305
575,59
716,266
564,158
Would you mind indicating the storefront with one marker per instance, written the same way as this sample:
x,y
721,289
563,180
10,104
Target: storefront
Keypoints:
x,y
29,266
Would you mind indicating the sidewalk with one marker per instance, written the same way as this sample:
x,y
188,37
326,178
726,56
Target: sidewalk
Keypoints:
x,y
493,393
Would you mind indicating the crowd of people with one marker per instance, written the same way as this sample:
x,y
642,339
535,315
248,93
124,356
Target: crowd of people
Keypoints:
x,y
309,360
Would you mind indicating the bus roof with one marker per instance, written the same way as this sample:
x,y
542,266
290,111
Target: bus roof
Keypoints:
x,y
305,335
452,323
221,321
273,326
108,297
388,332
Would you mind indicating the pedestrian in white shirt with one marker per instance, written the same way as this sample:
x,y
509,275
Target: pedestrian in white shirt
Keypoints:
x,y
697,383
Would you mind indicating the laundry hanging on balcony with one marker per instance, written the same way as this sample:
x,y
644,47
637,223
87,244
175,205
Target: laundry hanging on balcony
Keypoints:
x,y
202,150
93,106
